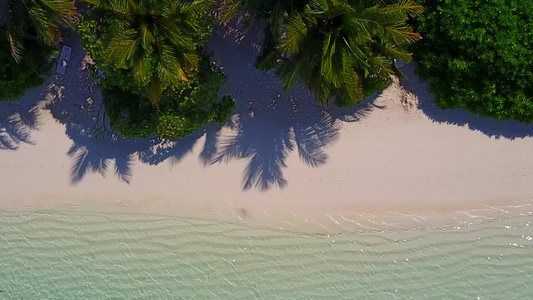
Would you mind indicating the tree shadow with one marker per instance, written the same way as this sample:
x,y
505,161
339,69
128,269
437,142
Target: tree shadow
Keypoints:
x,y
16,123
265,142
268,123
493,128
19,118
76,101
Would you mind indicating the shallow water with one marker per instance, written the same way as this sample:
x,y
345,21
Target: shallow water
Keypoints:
x,y
59,255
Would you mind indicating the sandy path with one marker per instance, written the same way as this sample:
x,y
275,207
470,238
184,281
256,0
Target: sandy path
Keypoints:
x,y
280,157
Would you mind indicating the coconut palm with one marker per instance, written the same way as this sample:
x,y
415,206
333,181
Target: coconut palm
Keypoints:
x,y
156,40
38,20
334,46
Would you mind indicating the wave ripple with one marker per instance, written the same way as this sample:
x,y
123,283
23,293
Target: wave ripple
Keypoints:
x,y
98,256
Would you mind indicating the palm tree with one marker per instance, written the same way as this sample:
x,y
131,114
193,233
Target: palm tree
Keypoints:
x,y
334,46
156,41
23,21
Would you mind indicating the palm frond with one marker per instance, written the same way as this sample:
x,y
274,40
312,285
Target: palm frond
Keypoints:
x,y
401,10
17,46
155,90
401,35
62,9
353,86
142,69
47,31
228,10
267,60
289,72
397,53
116,6
199,7
295,32
146,36
122,48
191,59
168,68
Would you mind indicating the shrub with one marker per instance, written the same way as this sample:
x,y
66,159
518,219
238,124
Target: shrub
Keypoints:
x,y
477,55
182,108
16,78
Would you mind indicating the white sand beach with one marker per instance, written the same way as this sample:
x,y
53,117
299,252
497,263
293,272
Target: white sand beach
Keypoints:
x,y
279,158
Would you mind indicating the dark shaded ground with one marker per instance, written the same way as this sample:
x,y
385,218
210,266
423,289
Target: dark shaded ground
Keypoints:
x,y
17,120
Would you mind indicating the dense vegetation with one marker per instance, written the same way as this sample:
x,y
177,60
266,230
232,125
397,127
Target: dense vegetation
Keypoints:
x,y
341,50
17,77
478,55
29,29
148,63
148,54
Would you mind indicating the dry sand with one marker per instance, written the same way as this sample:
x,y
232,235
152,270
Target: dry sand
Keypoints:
x,y
280,160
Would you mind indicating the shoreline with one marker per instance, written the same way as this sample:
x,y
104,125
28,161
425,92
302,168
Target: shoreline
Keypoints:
x,y
280,155
301,222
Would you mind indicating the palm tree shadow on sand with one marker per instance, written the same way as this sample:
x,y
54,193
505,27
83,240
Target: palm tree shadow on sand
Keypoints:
x,y
460,117
266,142
268,123
76,102
18,119
97,149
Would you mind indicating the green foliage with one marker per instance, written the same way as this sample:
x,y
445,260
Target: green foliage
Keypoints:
x,y
16,78
154,40
28,31
143,96
336,47
478,55
30,21
182,110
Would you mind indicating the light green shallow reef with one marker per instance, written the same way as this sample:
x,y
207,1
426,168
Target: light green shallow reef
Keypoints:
x,y
96,256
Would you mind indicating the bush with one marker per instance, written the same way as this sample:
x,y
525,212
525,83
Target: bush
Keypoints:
x,y
182,110
183,107
477,55
16,78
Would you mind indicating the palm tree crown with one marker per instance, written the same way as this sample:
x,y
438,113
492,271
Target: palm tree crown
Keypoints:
x,y
23,20
332,46
156,40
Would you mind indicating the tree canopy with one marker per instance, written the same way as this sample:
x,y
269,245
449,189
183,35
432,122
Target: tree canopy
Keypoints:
x,y
28,72
148,60
335,47
38,20
28,31
477,55
155,40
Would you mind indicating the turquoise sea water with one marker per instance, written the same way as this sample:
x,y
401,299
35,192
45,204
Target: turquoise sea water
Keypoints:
x,y
97,256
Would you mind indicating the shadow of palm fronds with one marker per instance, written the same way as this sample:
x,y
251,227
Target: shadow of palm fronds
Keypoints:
x,y
83,162
16,123
266,151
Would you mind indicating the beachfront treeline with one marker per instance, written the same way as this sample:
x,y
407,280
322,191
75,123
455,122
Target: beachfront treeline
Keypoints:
x,y
148,54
